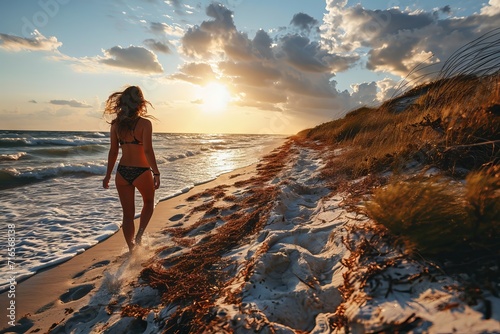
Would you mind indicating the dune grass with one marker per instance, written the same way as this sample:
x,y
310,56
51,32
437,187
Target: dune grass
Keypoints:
x,y
441,217
450,123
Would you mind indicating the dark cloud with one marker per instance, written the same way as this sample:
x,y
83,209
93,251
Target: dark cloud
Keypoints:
x,y
303,21
222,19
157,46
262,44
301,53
374,24
134,58
70,103
446,9
213,36
32,101
37,43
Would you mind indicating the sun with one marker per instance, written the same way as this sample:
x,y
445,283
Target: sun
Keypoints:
x,y
214,97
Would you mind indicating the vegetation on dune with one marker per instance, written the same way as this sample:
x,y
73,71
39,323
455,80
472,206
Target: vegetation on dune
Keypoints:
x,y
452,124
441,217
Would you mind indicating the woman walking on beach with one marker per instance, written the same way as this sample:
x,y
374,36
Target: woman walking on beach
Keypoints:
x,y
131,131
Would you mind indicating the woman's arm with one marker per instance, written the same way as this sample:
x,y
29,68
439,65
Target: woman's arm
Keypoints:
x,y
147,142
112,156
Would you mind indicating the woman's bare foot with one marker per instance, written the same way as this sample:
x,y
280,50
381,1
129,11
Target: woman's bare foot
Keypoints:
x,y
138,237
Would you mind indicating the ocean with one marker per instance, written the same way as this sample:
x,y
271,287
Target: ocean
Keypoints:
x,y
51,196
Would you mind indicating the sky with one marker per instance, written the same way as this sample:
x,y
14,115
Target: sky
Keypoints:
x,y
233,66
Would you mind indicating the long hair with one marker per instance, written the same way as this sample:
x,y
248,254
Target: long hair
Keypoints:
x,y
128,106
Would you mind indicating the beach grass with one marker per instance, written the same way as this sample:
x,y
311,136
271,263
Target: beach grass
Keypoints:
x,y
449,125
438,217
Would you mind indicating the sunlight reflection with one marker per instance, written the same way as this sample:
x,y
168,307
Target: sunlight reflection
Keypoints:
x,y
223,161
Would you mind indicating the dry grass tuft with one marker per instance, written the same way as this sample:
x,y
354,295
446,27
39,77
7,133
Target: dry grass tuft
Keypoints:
x,y
428,212
440,217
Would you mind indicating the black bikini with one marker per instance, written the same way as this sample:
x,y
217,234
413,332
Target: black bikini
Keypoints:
x,y
130,173
135,141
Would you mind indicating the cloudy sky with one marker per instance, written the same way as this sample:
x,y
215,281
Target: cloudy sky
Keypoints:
x,y
233,66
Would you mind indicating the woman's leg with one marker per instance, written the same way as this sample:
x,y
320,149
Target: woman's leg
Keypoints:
x,y
145,185
126,192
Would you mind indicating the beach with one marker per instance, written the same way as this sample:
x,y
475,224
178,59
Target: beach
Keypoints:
x,y
266,248
51,187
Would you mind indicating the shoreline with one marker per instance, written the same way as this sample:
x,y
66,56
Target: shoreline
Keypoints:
x,y
56,287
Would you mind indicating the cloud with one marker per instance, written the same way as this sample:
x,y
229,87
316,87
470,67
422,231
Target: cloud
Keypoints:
x,y
134,58
287,72
492,8
446,9
36,43
32,101
309,56
262,43
157,46
196,42
70,103
395,40
304,21
165,29
214,36
179,7
196,73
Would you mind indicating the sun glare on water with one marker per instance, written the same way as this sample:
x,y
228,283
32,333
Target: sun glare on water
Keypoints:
x,y
214,97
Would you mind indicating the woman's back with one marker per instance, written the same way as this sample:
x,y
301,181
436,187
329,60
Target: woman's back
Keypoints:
x,y
132,144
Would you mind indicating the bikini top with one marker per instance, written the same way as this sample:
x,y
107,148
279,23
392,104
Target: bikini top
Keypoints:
x,y
135,141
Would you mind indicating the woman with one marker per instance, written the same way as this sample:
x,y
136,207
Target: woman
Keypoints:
x,y
133,133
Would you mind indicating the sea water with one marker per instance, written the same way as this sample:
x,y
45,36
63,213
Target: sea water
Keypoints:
x,y
51,197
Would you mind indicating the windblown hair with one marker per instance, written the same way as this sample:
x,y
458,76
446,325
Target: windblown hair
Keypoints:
x,y
128,106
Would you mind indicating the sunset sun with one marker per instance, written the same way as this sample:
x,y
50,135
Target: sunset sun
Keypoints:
x,y
214,97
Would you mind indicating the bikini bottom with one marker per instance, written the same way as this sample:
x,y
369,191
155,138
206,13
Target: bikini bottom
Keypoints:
x,y
130,173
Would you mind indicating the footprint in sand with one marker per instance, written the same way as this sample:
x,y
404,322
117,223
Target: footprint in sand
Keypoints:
x,y
82,319
76,293
95,265
176,217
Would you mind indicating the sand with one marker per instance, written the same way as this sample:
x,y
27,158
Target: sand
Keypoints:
x,y
45,297
296,269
